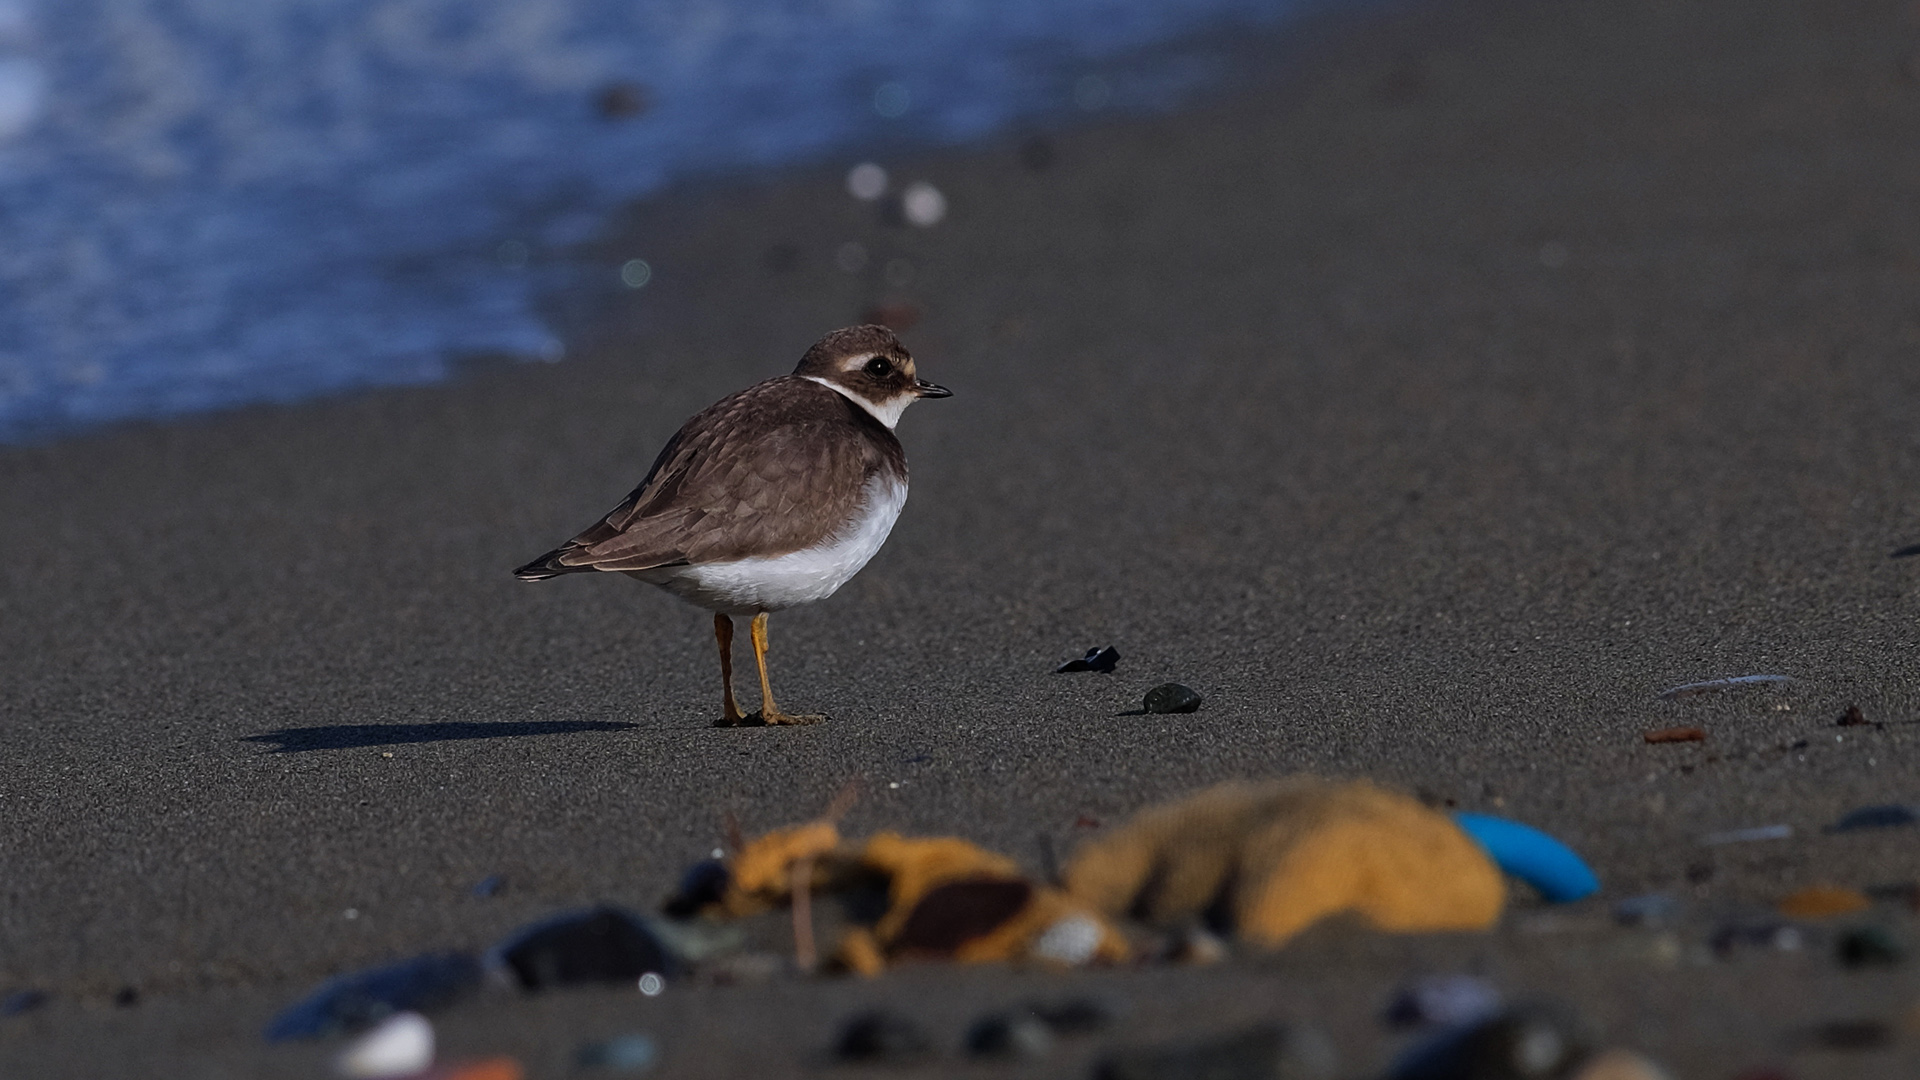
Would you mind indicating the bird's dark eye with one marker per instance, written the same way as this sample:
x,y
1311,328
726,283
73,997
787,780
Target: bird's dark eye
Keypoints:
x,y
879,367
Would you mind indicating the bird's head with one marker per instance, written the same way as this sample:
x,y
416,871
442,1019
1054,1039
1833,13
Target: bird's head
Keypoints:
x,y
870,366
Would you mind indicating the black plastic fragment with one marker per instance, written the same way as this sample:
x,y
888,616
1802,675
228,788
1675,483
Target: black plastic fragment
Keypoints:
x,y
1100,659
489,887
1263,1053
603,944
21,1001
1887,816
704,883
126,997
363,998
1172,698
880,1037
1907,552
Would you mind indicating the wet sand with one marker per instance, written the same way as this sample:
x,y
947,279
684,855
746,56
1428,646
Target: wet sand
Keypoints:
x,y
1430,409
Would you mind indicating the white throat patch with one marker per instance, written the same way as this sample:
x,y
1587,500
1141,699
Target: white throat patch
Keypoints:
x,y
888,414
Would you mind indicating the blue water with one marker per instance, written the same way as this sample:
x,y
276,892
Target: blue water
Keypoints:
x,y
211,202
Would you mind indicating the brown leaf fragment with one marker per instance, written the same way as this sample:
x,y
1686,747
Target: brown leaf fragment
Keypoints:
x,y
1676,734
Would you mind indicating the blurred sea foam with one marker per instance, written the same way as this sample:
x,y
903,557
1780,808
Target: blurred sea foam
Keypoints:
x,y
211,202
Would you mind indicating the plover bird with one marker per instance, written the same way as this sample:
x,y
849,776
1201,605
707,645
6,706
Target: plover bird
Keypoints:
x,y
769,499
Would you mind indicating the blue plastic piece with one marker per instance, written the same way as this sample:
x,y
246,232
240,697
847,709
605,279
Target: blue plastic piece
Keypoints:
x,y
1532,856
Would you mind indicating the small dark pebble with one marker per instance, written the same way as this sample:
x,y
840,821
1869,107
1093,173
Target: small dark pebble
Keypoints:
x,y
1263,1053
1037,153
21,1001
1888,816
1910,550
1534,1042
126,997
1172,698
621,100
880,1037
1012,1034
1869,946
1853,717
1850,1035
488,887
1102,659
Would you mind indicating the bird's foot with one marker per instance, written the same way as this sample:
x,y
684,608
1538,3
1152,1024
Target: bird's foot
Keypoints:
x,y
776,718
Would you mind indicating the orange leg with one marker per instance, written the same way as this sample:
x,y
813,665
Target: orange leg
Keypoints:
x,y
769,712
730,715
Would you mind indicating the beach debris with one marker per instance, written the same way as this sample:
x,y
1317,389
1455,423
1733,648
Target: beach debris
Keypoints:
x,y
866,181
902,315
1823,901
938,898
488,887
126,997
1650,909
361,999
1910,550
1869,946
623,1053
1444,1001
1172,698
1277,857
21,1001
1676,735
1748,836
1714,686
1551,867
602,944
622,100
1853,717
1778,936
1102,658
1620,1065
1537,1040
1884,816
923,205
400,1045
882,1037
1268,1052
704,883
1037,153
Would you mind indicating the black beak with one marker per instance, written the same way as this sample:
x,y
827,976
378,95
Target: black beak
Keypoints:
x,y
923,388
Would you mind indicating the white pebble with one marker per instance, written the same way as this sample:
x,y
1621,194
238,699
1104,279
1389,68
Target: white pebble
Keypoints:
x,y
401,1046
1072,940
923,204
866,181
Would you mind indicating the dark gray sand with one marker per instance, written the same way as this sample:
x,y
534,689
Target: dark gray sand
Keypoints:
x,y
1429,410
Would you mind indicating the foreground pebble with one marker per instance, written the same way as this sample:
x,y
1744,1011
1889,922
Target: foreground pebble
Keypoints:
x,y
401,1046
1172,698
882,1037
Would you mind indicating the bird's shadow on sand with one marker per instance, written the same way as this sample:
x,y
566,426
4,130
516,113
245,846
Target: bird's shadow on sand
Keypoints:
x,y
352,736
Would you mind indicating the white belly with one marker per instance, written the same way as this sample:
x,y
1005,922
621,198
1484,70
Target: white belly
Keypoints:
x,y
747,586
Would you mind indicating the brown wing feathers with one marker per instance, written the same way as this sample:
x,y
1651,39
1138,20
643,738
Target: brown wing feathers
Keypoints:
x,y
772,469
